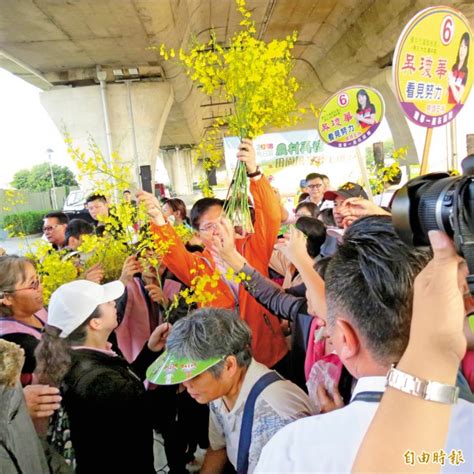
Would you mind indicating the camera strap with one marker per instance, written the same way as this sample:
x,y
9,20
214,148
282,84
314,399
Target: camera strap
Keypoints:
x,y
463,235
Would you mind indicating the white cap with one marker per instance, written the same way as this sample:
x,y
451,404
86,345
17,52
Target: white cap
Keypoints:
x,y
71,304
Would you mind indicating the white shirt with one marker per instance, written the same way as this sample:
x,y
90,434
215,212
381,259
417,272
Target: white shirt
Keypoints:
x,y
329,442
279,404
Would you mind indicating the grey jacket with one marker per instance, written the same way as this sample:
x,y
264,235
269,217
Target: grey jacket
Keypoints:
x,y
285,306
20,447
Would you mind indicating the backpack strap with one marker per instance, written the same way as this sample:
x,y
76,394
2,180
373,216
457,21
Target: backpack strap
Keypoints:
x,y
245,438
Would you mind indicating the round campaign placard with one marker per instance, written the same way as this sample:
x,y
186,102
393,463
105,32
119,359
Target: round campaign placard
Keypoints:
x,y
350,116
433,67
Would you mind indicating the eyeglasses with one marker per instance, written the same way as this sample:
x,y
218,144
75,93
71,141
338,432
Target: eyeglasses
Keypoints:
x,y
314,186
208,227
34,286
50,228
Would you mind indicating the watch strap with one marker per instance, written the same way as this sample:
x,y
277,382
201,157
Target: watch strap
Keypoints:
x,y
425,389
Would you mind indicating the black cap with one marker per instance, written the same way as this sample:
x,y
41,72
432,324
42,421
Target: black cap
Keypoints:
x,y
347,190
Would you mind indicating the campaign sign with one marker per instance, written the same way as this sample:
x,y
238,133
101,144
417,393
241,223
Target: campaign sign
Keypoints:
x,y
433,67
350,116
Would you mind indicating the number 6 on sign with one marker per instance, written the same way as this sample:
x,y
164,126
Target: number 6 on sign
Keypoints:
x,y
447,30
343,100
432,67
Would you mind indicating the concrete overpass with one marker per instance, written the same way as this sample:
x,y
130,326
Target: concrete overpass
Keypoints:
x,y
91,59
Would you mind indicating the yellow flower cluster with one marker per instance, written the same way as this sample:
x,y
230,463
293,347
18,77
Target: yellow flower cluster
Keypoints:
x,y
255,76
205,187
13,199
380,176
210,153
201,292
152,249
107,176
184,233
52,267
126,232
126,227
202,289
106,250
237,277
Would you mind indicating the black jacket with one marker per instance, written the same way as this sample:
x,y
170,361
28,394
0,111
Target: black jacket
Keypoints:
x,y
106,403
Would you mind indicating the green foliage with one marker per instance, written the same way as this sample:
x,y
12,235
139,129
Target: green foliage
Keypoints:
x,y
28,222
38,178
20,179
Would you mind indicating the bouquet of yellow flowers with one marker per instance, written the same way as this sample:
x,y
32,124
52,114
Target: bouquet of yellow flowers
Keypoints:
x,y
255,77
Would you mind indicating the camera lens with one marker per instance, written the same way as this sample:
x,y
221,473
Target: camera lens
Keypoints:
x,y
423,204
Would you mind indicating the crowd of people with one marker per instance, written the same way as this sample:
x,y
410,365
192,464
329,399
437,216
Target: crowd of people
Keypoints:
x,y
296,358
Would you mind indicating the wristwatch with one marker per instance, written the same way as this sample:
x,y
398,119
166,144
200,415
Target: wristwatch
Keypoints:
x,y
425,389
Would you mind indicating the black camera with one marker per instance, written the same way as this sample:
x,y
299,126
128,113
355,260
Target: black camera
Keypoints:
x,y
438,201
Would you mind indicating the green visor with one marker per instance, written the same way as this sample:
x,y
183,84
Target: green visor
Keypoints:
x,y
169,370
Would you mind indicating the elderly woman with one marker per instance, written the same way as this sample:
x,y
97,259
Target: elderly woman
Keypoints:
x,y
209,352
22,317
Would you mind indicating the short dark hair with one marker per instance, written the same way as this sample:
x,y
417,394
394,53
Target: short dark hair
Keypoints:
x,y
78,227
177,205
60,216
315,233
312,208
324,176
200,207
326,216
96,197
127,191
370,278
302,197
322,265
314,176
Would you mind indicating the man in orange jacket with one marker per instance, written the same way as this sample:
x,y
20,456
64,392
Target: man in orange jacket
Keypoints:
x,y
268,343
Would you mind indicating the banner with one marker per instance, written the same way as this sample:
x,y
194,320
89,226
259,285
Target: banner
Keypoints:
x,y
433,68
276,151
350,116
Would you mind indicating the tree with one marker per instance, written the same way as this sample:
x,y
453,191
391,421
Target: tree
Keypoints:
x,y
38,178
20,179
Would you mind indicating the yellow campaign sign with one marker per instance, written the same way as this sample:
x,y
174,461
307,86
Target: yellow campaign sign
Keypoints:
x,y
433,67
350,116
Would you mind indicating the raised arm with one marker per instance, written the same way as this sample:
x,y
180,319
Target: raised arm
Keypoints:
x,y
435,348
267,293
177,259
267,207
295,250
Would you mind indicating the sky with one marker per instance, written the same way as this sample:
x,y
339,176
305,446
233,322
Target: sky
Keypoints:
x,y
26,131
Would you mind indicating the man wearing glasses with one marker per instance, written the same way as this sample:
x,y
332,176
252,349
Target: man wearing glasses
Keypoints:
x,y
54,229
268,343
315,188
